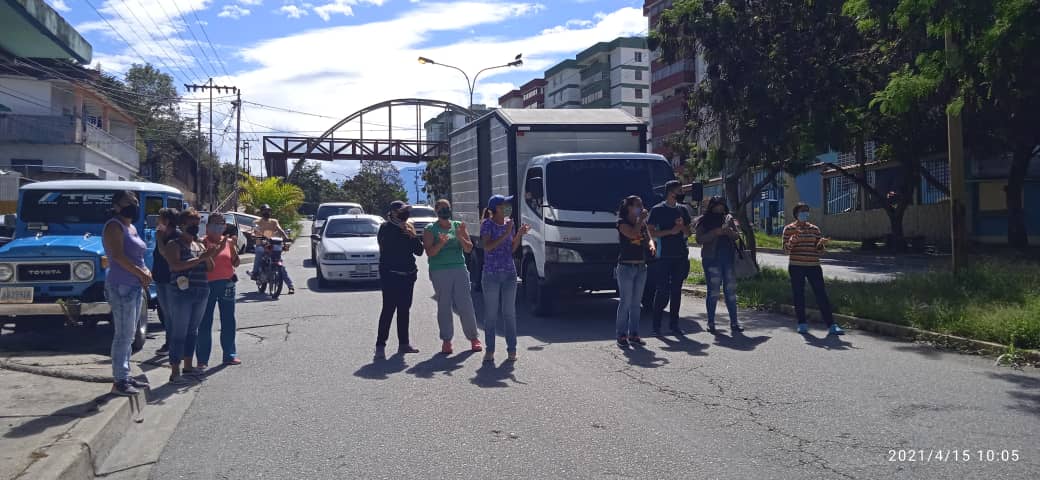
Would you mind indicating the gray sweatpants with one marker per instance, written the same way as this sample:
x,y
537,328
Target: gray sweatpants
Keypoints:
x,y
452,293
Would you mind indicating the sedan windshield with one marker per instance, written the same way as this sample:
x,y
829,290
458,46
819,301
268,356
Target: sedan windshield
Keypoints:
x,y
608,181
351,228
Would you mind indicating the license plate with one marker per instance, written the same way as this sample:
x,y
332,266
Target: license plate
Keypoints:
x,y
16,295
364,268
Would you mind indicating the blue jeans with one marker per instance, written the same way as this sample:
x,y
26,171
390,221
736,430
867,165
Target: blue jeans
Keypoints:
x,y
162,290
499,303
259,259
221,292
186,315
126,311
724,274
631,279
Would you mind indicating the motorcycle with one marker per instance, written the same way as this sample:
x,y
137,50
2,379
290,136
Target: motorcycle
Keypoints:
x,y
269,274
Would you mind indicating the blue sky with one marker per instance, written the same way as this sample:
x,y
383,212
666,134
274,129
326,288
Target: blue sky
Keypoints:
x,y
334,57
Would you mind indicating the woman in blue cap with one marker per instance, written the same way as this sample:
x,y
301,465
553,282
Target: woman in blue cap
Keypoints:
x,y
500,238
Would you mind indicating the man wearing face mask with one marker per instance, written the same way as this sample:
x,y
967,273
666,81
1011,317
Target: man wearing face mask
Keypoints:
x,y
268,227
399,244
669,226
803,243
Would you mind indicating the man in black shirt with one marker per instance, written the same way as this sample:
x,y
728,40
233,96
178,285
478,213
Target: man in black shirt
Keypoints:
x,y
399,244
669,226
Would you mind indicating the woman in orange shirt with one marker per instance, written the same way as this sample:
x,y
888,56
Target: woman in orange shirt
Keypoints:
x,y
221,292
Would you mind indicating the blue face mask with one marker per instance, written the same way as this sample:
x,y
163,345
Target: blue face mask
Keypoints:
x,y
803,216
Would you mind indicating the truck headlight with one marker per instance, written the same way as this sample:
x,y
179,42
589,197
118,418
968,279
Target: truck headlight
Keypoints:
x,y
562,255
6,272
83,271
335,256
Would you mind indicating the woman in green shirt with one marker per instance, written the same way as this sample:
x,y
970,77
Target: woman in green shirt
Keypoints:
x,y
446,242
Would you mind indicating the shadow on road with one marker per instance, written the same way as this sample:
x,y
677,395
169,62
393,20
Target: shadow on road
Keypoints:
x,y
342,287
440,363
640,356
739,342
682,343
63,416
827,342
1027,393
490,376
381,369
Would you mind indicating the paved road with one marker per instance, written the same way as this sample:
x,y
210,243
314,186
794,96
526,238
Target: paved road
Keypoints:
x,y
309,401
865,269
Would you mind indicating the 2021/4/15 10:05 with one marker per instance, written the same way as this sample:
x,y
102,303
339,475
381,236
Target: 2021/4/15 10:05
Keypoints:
x,y
951,455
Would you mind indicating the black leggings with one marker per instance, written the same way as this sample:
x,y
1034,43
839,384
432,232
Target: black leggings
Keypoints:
x,y
814,275
397,297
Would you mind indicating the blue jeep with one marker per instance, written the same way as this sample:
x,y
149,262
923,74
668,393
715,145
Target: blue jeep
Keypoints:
x,y
56,264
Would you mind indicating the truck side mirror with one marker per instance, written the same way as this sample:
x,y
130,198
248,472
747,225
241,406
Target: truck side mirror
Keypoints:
x,y
535,188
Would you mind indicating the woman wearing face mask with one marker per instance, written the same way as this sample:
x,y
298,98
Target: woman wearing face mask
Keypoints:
x,y
161,271
717,234
804,242
446,241
399,244
189,292
221,292
500,239
124,285
631,271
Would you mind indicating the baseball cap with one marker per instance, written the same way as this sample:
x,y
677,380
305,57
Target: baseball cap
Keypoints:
x,y
398,205
497,200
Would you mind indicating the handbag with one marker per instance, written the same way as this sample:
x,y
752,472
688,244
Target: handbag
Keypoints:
x,y
745,266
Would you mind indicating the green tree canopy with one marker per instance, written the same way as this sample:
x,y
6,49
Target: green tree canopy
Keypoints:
x,y
375,186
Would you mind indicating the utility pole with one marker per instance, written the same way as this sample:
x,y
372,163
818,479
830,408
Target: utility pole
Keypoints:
x,y
221,89
238,135
198,156
245,158
955,139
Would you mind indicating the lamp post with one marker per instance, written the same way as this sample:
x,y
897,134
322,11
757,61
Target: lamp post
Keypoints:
x,y
472,84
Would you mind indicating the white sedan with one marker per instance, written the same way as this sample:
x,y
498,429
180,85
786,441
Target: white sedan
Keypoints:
x,y
347,249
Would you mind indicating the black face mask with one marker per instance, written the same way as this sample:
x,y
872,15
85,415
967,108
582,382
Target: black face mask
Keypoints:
x,y
404,216
130,211
679,197
265,215
192,230
444,213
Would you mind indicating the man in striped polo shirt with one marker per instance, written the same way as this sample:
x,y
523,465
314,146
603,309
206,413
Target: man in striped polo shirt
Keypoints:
x,y
803,243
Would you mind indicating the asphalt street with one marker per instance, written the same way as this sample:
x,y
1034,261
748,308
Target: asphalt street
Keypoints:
x,y
849,268
309,401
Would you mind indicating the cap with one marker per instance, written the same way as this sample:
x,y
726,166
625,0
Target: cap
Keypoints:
x,y
497,200
265,207
398,205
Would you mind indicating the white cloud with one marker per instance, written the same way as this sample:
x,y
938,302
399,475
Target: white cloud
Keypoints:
x,y
252,3
59,5
292,11
233,12
343,7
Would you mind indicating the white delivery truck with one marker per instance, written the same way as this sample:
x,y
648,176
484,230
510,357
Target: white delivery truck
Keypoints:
x,y
568,169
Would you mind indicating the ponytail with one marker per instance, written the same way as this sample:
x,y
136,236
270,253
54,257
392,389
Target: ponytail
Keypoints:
x,y
488,213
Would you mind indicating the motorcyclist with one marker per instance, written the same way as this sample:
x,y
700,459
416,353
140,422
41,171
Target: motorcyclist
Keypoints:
x,y
268,227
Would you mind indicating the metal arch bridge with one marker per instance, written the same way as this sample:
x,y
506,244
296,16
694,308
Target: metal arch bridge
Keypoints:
x,y
278,150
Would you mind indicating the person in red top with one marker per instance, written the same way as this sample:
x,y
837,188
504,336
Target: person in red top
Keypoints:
x,y
221,292
803,243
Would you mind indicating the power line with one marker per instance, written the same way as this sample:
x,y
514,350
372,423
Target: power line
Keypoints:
x,y
153,39
127,42
181,35
206,35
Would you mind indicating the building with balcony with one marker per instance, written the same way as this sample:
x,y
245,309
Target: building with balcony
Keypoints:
x,y
54,122
532,94
513,99
613,74
668,89
438,128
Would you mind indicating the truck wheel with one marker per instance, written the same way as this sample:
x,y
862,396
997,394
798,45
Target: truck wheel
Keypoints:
x,y
142,326
538,296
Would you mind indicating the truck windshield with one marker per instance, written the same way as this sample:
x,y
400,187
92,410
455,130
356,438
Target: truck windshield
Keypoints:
x,y
66,206
326,211
599,185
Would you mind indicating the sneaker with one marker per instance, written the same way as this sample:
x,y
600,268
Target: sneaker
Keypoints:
x,y
380,352
163,350
291,290
407,349
735,327
711,328
138,383
233,361
803,328
635,340
180,380
446,347
124,389
511,357
622,341
476,345
489,357
836,330
676,332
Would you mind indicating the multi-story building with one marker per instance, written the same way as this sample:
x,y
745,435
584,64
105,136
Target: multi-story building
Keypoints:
x,y
612,74
54,121
438,128
532,94
668,89
513,99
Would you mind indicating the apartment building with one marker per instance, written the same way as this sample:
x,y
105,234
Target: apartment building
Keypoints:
x,y
613,74
668,89
529,95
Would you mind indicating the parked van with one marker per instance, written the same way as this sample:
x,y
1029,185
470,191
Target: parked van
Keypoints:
x,y
56,263
327,210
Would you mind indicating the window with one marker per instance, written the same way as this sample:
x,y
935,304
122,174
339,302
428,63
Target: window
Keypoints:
x,y
592,97
639,112
531,202
639,74
639,93
152,205
639,56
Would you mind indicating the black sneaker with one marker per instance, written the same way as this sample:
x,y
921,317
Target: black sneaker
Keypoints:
x,y
635,340
292,290
138,383
622,341
124,388
407,349
736,327
380,352
711,328
163,350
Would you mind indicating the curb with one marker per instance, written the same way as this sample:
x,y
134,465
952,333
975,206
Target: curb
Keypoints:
x,y
50,372
74,454
943,340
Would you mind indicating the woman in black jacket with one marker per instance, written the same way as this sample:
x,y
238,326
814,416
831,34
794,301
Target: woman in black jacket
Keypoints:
x,y
399,244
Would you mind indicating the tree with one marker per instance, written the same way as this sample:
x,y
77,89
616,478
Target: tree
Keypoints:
x,y
316,188
437,177
775,70
375,186
283,198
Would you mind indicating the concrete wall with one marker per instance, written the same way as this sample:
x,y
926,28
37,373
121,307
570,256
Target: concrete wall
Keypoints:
x,y
929,221
35,96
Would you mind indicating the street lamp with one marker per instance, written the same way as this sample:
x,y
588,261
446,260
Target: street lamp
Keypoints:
x,y
472,84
